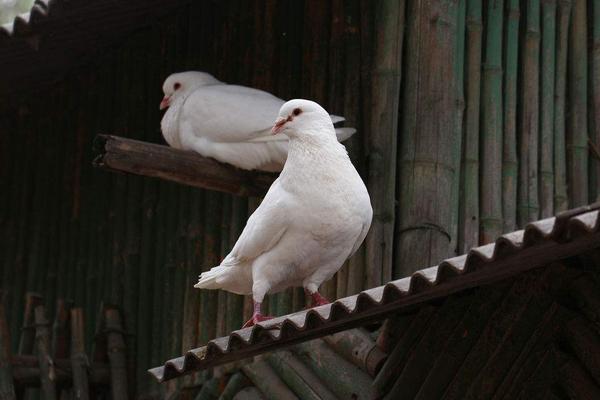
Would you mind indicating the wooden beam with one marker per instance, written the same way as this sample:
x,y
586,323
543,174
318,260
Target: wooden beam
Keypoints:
x,y
185,167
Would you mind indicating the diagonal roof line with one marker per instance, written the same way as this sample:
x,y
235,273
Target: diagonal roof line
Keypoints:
x,y
540,243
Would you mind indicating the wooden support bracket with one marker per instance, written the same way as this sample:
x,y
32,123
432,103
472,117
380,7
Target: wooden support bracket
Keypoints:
x,y
185,167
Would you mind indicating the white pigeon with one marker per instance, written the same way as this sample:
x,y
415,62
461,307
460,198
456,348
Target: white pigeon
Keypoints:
x,y
314,216
229,123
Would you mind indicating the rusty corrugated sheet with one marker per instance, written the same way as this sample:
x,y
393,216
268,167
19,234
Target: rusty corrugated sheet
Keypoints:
x,y
540,243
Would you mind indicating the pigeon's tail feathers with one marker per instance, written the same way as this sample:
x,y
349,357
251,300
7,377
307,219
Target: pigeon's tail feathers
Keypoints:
x,y
210,279
344,133
336,118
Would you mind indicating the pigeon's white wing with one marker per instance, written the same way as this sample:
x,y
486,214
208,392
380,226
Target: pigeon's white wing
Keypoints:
x,y
230,113
264,228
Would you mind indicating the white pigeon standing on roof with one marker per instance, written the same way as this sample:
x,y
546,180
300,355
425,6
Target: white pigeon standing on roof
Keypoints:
x,y
229,123
314,216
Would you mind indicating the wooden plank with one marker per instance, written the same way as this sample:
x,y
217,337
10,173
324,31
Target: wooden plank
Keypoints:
x,y
7,390
79,360
46,363
116,354
184,167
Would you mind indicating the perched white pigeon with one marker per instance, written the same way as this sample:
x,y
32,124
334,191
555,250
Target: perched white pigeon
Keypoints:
x,y
229,123
314,216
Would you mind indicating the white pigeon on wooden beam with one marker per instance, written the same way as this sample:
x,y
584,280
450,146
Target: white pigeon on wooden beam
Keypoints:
x,y
314,216
229,123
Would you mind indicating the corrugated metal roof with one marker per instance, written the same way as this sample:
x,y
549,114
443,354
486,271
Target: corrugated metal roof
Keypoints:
x,y
540,243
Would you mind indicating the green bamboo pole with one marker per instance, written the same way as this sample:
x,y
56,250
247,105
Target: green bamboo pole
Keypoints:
x,y
382,138
561,200
528,209
509,146
547,72
491,126
577,129
469,204
595,103
459,67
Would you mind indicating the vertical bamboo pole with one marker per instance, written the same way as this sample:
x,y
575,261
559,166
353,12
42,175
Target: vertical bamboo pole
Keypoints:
x,y
528,209
509,147
547,68
459,71
491,125
79,360
561,200
382,138
7,389
577,129
469,204
42,345
427,167
116,354
595,103
235,303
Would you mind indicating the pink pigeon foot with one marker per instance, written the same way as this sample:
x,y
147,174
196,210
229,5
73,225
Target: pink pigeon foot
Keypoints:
x,y
316,299
256,317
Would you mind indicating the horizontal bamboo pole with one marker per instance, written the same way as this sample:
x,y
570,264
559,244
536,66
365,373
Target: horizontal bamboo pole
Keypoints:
x,y
26,371
147,159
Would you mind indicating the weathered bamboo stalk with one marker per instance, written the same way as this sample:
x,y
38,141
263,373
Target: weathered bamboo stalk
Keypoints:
x,y
509,146
577,128
344,379
459,73
528,209
265,378
79,360
32,301
425,163
116,354
7,389
595,97
547,67
26,372
298,376
357,347
469,204
382,139
184,167
45,362
236,383
491,126
561,199
60,329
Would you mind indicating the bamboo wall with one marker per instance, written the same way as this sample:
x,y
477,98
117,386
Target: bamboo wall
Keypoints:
x,y
493,102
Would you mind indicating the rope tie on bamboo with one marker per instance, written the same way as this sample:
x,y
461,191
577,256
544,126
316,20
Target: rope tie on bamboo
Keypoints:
x,y
427,226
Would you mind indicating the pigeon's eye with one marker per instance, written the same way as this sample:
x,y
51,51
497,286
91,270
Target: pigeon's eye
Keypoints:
x,y
297,111
176,85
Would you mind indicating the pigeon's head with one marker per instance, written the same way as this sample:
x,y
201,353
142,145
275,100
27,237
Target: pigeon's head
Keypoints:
x,y
182,83
301,117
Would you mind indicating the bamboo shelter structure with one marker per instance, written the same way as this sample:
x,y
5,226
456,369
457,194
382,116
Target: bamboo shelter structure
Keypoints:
x,y
473,119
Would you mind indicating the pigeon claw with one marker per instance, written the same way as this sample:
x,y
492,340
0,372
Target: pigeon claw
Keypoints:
x,y
256,318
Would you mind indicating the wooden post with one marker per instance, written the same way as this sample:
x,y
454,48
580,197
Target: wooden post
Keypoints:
x,y
46,363
79,360
509,147
547,68
469,202
7,390
116,354
561,200
491,126
577,128
382,142
184,167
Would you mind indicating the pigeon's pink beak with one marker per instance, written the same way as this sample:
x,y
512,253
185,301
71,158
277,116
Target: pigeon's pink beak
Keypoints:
x,y
165,102
278,127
